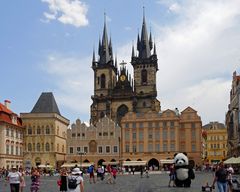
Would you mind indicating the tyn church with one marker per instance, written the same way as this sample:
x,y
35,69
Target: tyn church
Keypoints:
x,y
115,91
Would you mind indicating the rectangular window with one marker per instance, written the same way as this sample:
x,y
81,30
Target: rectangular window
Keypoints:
x,y
193,147
140,135
126,125
12,133
71,150
150,135
7,149
133,125
105,133
157,124
108,149
12,150
172,147
29,131
127,148
164,124
73,134
149,124
193,125
140,147
134,149
100,134
150,147
157,147
20,150
164,136
78,134
193,134
78,149
85,149
100,149
7,133
140,125
127,135
134,137
115,149
165,148
157,135
16,150
172,135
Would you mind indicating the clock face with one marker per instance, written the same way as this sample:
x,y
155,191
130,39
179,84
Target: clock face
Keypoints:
x,y
122,77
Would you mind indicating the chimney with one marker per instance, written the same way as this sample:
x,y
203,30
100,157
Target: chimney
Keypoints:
x,y
7,104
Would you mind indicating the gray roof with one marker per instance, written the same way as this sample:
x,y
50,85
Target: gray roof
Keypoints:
x,y
46,104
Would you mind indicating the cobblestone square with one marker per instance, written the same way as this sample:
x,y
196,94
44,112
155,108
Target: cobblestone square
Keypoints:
x,y
157,182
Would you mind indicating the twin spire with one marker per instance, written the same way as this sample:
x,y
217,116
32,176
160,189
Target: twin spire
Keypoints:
x,y
144,46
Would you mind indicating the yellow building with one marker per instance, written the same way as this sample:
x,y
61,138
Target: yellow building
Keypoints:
x,y
46,133
155,137
215,144
11,137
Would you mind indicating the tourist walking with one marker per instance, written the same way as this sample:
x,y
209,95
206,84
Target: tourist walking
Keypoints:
x,y
22,179
91,174
35,178
221,178
114,174
75,181
14,179
109,170
63,180
171,176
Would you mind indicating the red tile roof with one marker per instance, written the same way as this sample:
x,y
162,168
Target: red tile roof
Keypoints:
x,y
6,116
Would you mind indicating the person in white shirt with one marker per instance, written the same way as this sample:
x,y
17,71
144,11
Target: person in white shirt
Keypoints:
x,y
14,179
76,174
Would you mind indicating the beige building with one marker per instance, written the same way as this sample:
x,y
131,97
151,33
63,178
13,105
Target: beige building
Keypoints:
x,y
46,133
155,137
215,142
93,144
11,137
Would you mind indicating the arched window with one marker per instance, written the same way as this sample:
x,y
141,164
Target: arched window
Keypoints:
x,y
47,147
47,130
29,147
103,81
38,147
144,76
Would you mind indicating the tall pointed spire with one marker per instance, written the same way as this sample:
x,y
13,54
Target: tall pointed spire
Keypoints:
x,y
104,50
154,50
133,54
144,48
93,58
150,40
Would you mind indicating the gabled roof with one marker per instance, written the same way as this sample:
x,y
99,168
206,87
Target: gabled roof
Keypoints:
x,y
6,115
46,104
189,109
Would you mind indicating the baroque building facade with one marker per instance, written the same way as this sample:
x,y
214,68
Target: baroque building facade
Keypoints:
x,y
45,133
93,144
115,91
11,137
233,118
215,142
157,136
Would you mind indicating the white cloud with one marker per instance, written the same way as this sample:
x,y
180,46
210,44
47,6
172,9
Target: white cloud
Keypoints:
x,y
71,12
197,57
73,79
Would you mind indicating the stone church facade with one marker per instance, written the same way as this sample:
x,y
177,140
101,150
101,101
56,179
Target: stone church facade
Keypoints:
x,y
115,91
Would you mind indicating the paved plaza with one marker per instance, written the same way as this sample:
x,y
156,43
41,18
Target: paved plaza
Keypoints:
x,y
157,182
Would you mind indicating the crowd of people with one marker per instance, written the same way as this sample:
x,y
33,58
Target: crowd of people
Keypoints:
x,y
16,177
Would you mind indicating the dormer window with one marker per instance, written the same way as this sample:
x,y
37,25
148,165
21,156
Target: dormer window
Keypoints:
x,y
14,119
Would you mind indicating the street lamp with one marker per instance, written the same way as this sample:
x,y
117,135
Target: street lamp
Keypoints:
x,y
81,153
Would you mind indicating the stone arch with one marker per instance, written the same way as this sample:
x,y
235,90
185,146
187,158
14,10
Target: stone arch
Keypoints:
x,y
92,146
139,160
86,161
38,161
128,159
100,161
121,111
153,164
113,160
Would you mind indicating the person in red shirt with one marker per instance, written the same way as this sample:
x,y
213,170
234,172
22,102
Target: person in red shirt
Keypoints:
x,y
114,174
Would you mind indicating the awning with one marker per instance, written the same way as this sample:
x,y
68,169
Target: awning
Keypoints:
x,y
76,164
45,166
110,163
166,161
232,160
134,163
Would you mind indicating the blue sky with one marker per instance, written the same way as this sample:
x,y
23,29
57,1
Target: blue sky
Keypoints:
x,y
46,45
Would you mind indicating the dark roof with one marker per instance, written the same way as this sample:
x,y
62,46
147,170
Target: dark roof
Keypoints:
x,y
46,104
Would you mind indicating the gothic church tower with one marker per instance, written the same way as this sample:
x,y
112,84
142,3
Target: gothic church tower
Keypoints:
x,y
115,92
